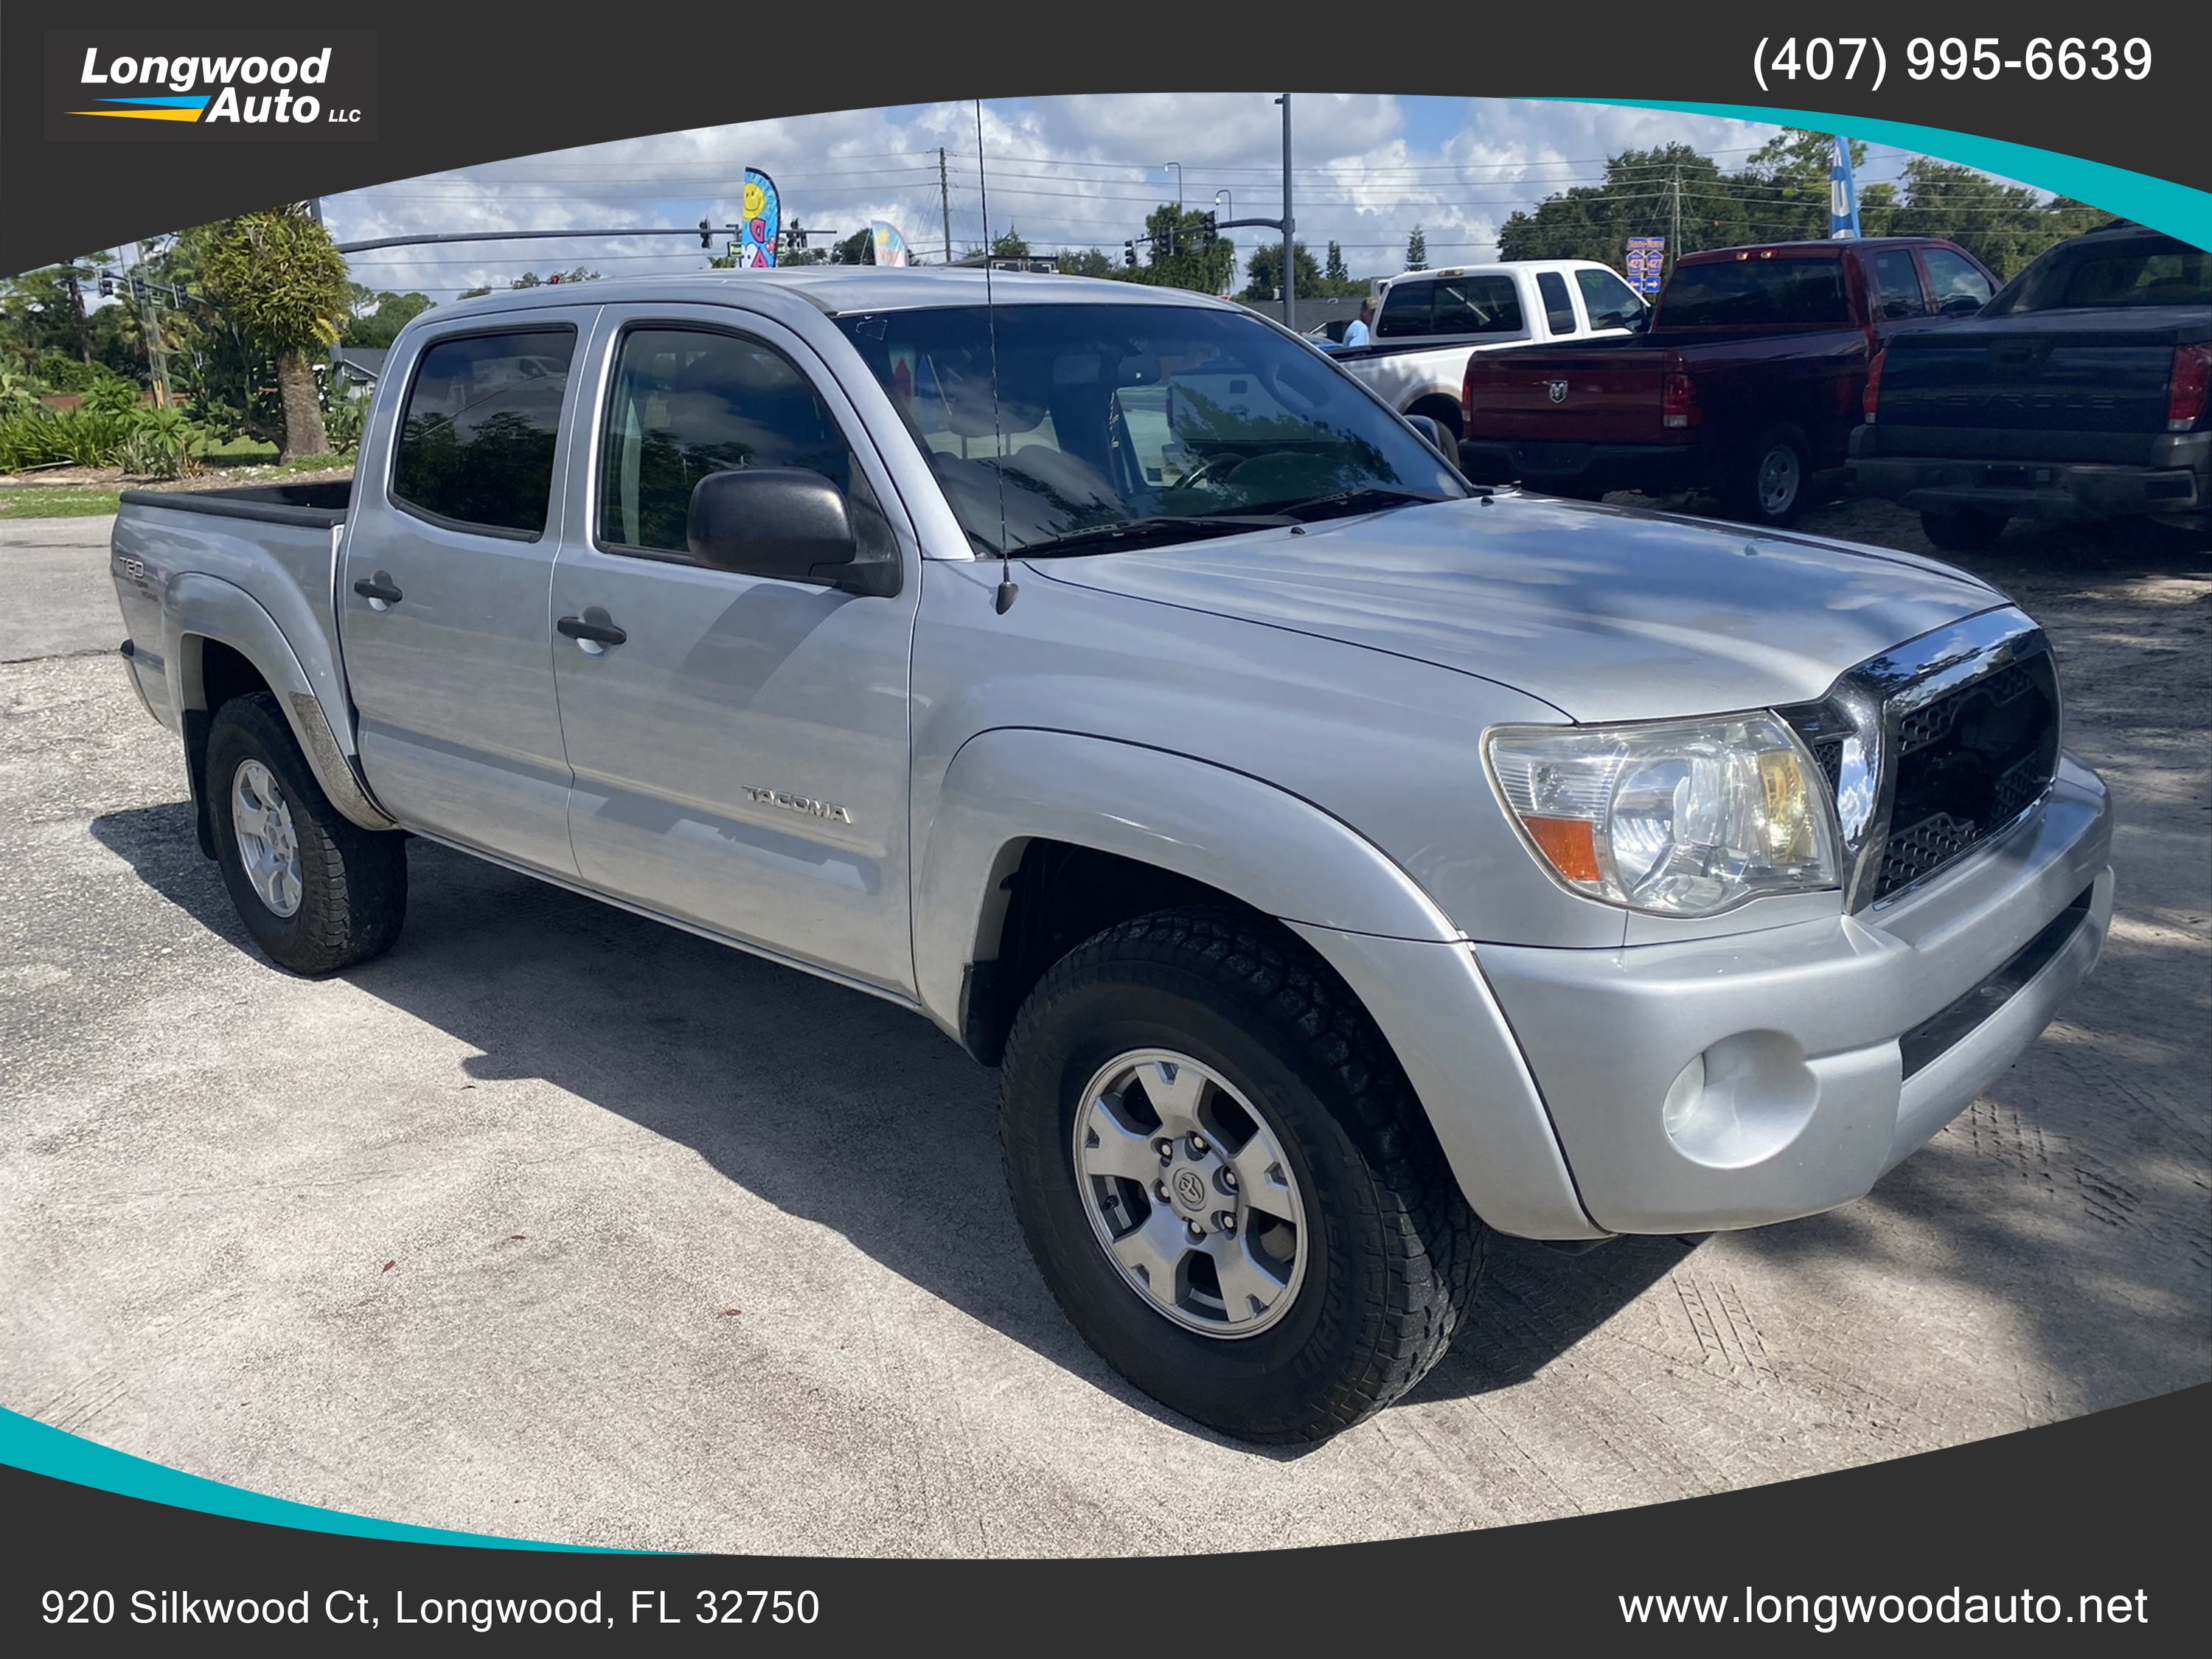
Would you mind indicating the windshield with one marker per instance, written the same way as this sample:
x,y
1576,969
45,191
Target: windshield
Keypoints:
x,y
1115,424
2124,271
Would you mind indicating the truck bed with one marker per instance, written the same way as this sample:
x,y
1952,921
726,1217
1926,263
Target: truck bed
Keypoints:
x,y
318,505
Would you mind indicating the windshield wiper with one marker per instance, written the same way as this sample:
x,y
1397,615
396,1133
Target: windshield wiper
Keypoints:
x,y
1157,530
1372,498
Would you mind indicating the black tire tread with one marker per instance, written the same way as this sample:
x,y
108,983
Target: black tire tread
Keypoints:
x,y
1434,1248
354,880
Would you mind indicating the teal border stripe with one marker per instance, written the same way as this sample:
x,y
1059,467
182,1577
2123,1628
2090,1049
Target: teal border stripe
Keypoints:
x,y
30,1445
2174,209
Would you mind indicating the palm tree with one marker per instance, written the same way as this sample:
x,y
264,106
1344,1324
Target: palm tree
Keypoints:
x,y
281,280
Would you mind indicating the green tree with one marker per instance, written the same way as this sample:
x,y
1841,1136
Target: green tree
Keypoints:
x,y
1417,250
2003,226
1264,270
284,282
1009,244
1091,262
858,249
378,317
1333,268
1180,253
532,279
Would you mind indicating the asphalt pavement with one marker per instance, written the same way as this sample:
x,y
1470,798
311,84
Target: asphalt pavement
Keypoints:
x,y
556,1222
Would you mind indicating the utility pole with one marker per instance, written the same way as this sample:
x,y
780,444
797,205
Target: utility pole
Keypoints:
x,y
1674,241
1290,262
945,201
157,358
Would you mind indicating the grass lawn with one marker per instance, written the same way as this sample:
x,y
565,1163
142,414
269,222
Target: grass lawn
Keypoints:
x,y
228,466
57,501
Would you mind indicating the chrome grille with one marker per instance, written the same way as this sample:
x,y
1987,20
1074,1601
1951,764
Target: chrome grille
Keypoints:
x,y
1931,749
1966,764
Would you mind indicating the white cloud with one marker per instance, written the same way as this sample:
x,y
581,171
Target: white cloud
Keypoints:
x,y
1065,172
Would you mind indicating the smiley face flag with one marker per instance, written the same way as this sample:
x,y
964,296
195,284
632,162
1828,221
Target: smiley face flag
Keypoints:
x,y
761,222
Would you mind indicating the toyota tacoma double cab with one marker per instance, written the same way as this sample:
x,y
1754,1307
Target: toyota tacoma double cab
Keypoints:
x,y
1341,862
1747,384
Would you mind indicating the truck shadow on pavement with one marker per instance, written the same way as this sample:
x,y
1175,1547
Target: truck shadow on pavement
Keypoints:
x,y
806,1094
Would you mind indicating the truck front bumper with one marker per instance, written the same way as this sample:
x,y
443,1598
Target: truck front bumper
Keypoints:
x,y
2176,479
1737,1081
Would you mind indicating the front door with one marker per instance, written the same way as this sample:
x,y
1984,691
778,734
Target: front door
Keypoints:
x,y
443,603
740,753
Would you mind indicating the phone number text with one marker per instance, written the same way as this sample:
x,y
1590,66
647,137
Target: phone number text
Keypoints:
x,y
1865,59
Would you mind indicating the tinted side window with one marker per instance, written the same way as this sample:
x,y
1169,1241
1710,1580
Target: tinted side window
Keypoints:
x,y
477,437
1478,305
686,402
1957,285
1558,309
1610,301
1741,293
1404,311
1897,285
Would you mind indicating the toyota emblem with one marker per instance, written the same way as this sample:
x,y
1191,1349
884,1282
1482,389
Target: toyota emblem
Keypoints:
x,y
1558,390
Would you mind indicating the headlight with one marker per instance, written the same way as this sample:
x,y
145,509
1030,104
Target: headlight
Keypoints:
x,y
1684,819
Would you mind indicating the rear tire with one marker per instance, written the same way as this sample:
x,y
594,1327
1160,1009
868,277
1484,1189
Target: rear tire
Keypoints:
x,y
1385,1253
1963,529
317,892
1769,483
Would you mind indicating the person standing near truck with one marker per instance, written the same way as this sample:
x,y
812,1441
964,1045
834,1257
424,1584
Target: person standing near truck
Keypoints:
x,y
1357,333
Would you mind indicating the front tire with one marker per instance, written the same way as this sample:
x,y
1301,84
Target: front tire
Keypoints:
x,y
317,892
1298,1256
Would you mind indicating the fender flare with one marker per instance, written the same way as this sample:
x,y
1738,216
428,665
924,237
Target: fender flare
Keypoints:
x,y
1273,850
199,608
1411,968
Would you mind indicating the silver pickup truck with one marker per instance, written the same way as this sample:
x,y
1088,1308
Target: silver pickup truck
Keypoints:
x,y
1341,861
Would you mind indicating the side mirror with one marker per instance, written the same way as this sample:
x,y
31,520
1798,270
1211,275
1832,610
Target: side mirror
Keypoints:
x,y
793,525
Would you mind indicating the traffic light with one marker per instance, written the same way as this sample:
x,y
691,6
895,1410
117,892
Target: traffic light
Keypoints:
x,y
706,234
1212,230
106,286
1129,254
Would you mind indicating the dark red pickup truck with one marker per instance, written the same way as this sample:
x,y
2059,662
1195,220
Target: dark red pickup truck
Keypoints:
x,y
1749,381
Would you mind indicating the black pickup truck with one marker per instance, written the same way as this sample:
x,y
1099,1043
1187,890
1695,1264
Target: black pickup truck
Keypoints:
x,y
2083,389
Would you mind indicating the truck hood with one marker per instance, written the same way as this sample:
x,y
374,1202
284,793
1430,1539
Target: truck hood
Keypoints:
x,y
1606,613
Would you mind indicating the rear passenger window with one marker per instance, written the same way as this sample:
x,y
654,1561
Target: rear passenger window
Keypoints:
x,y
1558,309
1478,305
477,437
1404,311
687,403
1897,284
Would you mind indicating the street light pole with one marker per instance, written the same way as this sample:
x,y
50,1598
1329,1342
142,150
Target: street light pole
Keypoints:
x,y
1290,262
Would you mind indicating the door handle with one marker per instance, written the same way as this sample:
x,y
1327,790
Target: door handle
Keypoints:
x,y
586,631
378,590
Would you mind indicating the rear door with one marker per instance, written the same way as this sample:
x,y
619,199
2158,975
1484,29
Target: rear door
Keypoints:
x,y
448,570
740,755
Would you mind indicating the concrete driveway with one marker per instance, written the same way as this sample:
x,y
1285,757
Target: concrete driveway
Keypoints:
x,y
556,1222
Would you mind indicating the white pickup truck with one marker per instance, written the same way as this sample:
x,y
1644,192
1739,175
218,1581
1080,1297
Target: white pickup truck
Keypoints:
x,y
1427,321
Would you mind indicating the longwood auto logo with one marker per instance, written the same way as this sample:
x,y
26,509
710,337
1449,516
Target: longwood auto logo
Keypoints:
x,y
292,85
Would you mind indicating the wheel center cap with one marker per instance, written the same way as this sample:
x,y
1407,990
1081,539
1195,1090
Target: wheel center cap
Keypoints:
x,y
1188,1187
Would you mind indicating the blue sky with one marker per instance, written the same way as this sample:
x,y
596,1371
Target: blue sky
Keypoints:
x,y
1064,172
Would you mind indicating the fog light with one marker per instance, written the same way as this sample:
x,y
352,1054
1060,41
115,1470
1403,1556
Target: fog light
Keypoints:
x,y
1683,1099
1740,1102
